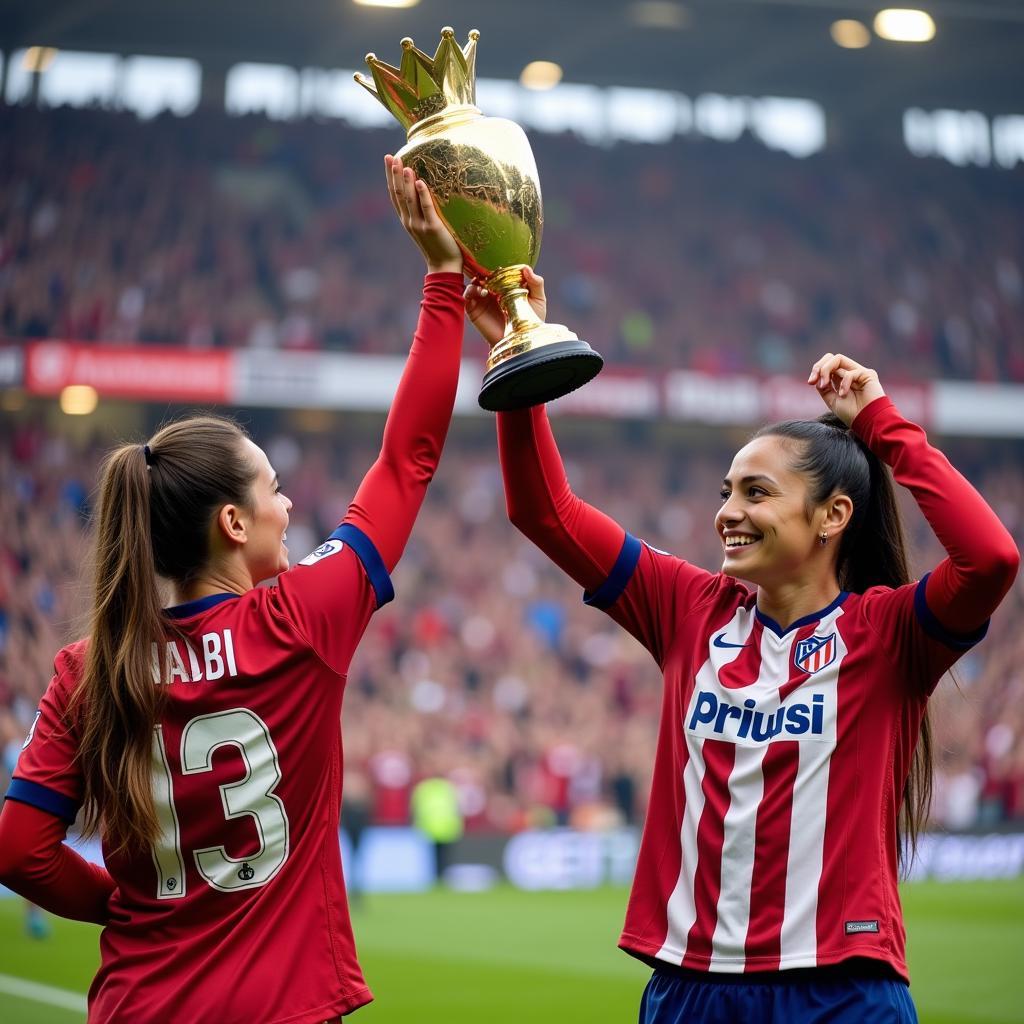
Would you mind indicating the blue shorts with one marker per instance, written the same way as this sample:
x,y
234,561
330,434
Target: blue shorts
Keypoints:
x,y
671,997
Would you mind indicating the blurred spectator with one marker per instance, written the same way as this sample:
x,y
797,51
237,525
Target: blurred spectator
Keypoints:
x,y
356,816
436,813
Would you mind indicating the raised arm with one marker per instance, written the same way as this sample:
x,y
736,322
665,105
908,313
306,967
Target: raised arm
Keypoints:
x,y
982,560
578,538
965,588
388,499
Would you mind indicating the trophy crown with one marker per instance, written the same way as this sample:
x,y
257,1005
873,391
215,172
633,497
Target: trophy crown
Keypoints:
x,y
421,85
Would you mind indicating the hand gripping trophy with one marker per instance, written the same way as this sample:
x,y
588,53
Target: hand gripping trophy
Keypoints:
x,y
482,175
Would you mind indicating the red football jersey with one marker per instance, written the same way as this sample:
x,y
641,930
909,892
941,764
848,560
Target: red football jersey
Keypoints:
x,y
238,914
760,860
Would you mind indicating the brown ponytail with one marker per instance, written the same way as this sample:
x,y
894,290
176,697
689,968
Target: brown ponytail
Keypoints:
x,y
873,552
156,504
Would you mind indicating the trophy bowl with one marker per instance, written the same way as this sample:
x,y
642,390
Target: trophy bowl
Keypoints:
x,y
483,178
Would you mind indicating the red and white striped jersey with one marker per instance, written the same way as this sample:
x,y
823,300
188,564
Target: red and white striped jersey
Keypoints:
x,y
764,847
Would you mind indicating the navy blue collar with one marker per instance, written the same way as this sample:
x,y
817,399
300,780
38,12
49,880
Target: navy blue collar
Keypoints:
x,y
770,623
200,604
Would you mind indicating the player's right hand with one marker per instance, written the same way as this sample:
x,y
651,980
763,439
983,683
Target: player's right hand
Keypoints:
x,y
845,386
415,208
485,314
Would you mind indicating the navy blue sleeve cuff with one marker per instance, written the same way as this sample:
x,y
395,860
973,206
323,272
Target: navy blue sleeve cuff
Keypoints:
x,y
46,799
376,571
609,592
936,630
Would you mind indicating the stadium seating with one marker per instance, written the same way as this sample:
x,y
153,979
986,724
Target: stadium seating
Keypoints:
x,y
216,231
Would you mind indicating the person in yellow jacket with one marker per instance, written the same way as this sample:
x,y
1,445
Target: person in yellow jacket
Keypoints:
x,y
436,813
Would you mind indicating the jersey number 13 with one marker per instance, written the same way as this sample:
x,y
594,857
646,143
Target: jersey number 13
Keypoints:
x,y
252,796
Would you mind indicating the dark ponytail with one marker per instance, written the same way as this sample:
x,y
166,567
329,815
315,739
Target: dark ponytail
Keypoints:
x,y
873,549
156,503
872,552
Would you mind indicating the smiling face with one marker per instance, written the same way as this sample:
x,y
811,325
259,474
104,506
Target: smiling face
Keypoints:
x,y
768,532
267,520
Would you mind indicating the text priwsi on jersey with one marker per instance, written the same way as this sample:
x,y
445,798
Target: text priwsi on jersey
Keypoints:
x,y
755,715
214,659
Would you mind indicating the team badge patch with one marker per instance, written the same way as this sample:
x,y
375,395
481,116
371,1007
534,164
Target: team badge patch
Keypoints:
x,y
328,548
815,653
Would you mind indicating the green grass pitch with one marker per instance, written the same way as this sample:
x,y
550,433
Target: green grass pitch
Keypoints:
x,y
508,956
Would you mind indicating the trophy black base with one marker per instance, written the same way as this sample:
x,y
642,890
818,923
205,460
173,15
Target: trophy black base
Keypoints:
x,y
538,376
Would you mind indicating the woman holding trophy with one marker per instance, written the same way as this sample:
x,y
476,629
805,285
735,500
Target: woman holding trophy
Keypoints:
x,y
226,907
793,768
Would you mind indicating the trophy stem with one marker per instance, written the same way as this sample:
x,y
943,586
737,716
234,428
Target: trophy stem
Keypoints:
x,y
534,362
507,286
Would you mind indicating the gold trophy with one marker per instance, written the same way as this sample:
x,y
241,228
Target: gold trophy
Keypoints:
x,y
482,175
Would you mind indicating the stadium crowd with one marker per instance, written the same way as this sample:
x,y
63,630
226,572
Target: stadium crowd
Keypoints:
x,y
218,231
488,668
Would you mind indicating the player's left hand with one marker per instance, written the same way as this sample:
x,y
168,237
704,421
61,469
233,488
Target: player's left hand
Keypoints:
x,y
415,208
845,387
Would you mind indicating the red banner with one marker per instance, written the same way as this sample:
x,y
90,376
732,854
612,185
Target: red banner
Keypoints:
x,y
333,380
172,374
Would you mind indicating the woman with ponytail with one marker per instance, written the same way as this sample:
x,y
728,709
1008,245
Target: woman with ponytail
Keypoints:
x,y
202,741
793,766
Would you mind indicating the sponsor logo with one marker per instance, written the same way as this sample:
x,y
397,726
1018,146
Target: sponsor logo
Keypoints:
x,y
815,653
328,548
719,642
856,927
714,717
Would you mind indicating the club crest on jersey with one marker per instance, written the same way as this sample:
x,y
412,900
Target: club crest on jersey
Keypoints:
x,y
815,653
328,548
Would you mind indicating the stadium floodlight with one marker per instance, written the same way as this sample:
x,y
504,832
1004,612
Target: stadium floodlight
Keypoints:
x,y
659,14
38,58
386,3
902,25
540,75
850,34
78,400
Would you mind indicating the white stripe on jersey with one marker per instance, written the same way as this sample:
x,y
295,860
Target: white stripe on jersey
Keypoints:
x,y
799,938
746,789
681,908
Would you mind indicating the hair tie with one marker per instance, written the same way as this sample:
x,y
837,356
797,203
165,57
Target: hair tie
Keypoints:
x,y
148,454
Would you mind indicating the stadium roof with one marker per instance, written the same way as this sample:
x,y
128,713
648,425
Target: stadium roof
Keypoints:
x,y
737,47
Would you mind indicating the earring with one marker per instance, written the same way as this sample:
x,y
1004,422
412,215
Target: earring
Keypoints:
x,y
823,538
